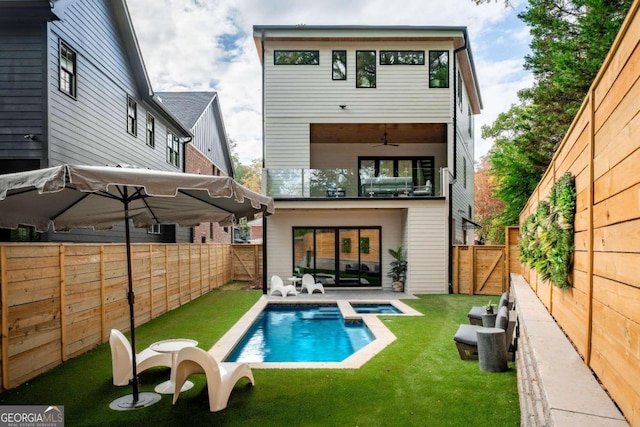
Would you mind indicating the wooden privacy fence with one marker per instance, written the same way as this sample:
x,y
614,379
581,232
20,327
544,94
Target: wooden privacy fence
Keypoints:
x,y
484,269
61,300
600,313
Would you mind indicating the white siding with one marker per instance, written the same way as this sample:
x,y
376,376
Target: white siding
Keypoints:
x,y
302,94
426,234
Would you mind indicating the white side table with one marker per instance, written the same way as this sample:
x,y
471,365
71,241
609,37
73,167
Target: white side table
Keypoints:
x,y
172,346
294,281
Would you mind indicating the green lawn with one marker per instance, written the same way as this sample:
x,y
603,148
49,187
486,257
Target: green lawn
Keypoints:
x,y
418,380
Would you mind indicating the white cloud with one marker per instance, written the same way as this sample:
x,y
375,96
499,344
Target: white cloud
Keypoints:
x,y
208,45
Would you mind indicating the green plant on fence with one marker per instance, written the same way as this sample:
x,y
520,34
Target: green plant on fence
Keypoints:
x,y
547,235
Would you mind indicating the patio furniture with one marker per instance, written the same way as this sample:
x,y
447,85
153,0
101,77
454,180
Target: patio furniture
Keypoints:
x,y
122,358
221,377
172,347
476,312
277,285
309,283
466,338
387,186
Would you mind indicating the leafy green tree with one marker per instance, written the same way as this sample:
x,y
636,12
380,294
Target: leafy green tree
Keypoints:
x,y
570,40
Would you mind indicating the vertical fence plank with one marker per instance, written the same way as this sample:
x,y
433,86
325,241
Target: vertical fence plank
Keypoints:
x,y
4,285
103,303
63,310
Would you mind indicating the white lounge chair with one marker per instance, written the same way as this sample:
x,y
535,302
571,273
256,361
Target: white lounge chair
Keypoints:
x,y
310,284
278,286
221,377
122,358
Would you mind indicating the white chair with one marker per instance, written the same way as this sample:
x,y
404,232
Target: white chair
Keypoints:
x,y
221,377
122,358
310,284
278,286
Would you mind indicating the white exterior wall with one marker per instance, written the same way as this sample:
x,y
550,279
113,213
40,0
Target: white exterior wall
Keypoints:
x,y
421,230
426,242
297,95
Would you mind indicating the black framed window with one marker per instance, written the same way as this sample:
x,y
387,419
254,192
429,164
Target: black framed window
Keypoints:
x,y
402,57
366,68
132,116
67,82
173,149
438,68
339,65
151,131
296,57
332,256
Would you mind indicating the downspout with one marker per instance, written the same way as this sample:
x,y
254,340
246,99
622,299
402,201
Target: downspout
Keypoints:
x,y
264,150
455,158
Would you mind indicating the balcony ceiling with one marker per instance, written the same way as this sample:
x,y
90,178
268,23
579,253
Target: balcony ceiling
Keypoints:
x,y
373,133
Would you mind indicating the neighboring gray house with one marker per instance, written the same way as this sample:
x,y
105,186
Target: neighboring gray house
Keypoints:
x,y
209,152
368,145
74,89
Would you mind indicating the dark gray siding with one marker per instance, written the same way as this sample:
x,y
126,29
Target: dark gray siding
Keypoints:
x,y
22,93
91,129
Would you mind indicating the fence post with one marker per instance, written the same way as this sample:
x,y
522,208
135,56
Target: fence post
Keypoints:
x,y
4,291
63,314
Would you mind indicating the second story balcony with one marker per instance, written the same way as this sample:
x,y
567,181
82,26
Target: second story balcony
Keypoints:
x,y
353,183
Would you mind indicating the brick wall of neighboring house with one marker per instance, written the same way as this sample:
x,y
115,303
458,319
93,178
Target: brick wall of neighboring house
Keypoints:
x,y
256,232
198,163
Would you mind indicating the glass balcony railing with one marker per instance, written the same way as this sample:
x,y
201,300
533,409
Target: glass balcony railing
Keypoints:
x,y
338,183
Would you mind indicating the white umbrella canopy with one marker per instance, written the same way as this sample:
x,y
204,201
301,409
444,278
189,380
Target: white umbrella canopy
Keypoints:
x,y
72,196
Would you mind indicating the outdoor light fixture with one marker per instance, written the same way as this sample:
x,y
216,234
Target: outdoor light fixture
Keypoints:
x,y
343,106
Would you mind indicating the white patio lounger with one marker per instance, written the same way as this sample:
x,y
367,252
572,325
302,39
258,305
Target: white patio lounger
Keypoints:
x,y
122,358
221,377
310,284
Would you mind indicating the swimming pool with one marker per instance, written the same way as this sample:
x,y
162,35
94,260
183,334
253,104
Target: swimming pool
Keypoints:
x,y
382,308
301,333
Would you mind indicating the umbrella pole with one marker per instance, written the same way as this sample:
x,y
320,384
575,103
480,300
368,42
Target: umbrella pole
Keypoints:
x,y
130,297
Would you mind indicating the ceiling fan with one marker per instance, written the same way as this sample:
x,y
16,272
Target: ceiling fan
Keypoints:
x,y
385,140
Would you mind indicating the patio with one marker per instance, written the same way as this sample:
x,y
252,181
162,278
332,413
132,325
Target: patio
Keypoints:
x,y
417,380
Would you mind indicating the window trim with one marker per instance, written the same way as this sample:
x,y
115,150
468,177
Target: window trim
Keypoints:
x,y
151,133
154,229
171,140
73,85
333,63
398,52
276,52
431,71
375,75
132,121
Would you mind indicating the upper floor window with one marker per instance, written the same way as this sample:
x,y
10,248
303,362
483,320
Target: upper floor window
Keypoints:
x,y
132,116
459,90
151,131
366,68
439,68
173,149
296,57
67,70
401,57
339,65
464,172
154,229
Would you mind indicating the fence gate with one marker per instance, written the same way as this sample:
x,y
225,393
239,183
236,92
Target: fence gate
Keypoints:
x,y
246,262
479,270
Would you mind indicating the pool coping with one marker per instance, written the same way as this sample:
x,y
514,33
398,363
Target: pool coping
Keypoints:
x,y
383,336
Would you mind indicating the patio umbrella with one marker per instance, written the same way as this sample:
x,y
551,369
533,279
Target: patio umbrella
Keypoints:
x,y
72,196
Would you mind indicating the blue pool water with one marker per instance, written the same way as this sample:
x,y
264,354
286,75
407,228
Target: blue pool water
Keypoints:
x,y
375,309
300,333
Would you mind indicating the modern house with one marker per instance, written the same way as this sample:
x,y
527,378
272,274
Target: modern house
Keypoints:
x,y
74,89
209,152
368,144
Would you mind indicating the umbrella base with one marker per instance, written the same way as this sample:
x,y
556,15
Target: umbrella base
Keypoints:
x,y
126,403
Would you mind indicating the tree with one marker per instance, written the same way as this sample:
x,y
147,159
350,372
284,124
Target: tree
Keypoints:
x,y
487,207
247,175
570,39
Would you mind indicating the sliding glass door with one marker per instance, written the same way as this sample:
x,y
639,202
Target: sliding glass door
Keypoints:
x,y
338,256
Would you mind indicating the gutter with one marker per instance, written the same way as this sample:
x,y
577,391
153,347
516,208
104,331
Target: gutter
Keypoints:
x,y
264,150
452,180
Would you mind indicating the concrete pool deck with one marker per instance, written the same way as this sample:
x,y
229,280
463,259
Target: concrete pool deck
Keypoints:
x,y
383,336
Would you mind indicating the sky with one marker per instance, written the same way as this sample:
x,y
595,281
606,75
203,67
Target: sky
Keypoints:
x,y
207,45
